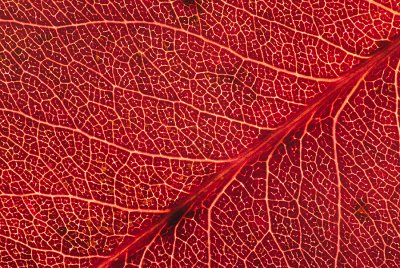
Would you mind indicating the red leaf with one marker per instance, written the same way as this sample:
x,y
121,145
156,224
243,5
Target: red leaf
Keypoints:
x,y
199,133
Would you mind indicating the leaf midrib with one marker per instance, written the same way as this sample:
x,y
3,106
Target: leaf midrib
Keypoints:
x,y
339,89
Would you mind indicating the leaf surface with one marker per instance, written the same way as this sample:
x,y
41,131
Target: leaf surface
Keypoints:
x,y
199,133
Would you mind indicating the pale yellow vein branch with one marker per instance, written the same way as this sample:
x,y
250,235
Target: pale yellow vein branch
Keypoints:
x,y
318,79
89,201
336,159
384,7
397,92
305,33
112,144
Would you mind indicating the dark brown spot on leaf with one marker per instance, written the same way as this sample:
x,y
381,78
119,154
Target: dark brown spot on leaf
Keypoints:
x,y
62,230
361,211
189,2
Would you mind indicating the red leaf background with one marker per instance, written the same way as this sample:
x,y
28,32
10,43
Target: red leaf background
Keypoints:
x,y
199,133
